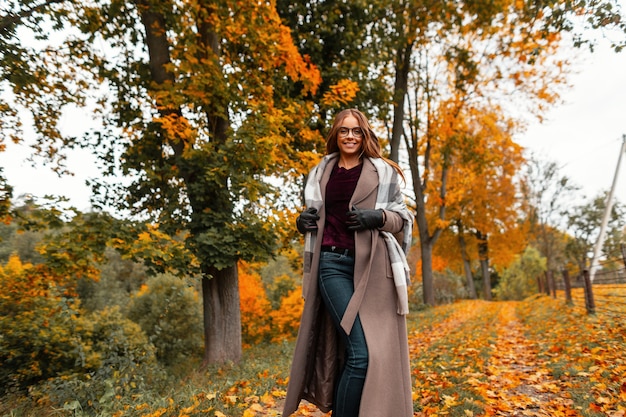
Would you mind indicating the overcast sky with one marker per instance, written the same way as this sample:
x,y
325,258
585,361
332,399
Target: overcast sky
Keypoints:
x,y
583,135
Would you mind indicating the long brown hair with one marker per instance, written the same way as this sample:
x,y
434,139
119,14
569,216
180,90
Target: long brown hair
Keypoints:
x,y
370,147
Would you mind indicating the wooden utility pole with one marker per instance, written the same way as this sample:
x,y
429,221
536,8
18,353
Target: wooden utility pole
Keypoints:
x,y
607,214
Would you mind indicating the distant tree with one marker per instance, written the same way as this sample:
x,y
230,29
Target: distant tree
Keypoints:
x,y
547,194
6,194
584,221
519,280
119,278
481,198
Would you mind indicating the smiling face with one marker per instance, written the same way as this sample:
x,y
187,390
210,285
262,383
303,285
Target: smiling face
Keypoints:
x,y
349,137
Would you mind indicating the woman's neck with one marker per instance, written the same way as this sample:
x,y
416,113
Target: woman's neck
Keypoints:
x,y
349,162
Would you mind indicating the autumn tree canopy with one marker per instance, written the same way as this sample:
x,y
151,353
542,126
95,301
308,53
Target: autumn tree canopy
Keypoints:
x,y
185,94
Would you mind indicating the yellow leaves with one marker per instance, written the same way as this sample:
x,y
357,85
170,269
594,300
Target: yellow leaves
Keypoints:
x,y
158,413
257,32
299,68
286,319
160,251
501,369
230,399
340,94
177,128
14,266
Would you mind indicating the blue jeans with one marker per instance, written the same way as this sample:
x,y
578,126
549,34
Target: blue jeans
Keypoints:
x,y
336,284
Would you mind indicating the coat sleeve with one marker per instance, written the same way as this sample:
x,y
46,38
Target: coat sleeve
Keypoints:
x,y
394,222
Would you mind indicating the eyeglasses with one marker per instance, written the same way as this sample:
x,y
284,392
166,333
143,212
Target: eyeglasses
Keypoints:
x,y
357,132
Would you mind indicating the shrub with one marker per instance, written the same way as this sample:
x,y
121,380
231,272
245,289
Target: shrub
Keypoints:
x,y
115,359
519,280
286,320
62,356
37,340
448,287
169,312
279,288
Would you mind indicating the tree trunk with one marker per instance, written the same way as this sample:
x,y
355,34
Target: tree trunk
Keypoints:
x,y
402,67
403,64
222,316
568,287
220,288
484,267
426,249
483,253
471,288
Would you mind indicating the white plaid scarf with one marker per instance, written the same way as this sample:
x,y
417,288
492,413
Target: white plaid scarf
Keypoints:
x,y
389,197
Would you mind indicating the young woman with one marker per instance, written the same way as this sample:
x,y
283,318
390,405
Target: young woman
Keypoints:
x,y
351,354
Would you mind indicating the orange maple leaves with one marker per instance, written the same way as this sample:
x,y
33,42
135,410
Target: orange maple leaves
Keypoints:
x,y
531,358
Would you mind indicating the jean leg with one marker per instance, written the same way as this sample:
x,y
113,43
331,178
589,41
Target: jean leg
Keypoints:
x,y
336,287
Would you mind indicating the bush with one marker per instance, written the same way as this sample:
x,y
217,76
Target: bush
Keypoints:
x,y
447,286
519,280
37,338
286,320
115,359
169,312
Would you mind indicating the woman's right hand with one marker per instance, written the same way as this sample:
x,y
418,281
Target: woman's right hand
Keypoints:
x,y
307,220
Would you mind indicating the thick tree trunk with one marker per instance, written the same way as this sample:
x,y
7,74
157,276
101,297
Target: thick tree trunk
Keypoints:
x,y
222,317
471,288
220,292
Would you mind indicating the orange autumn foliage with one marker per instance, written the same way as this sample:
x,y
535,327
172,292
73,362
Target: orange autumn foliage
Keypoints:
x,y
259,323
255,306
286,319
439,264
340,94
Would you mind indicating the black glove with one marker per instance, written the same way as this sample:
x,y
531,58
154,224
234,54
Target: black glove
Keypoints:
x,y
364,219
307,220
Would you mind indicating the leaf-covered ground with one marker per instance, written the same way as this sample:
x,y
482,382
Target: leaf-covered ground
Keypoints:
x,y
531,358
538,357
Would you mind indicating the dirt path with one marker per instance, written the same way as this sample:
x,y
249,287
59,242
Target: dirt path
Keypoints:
x,y
518,383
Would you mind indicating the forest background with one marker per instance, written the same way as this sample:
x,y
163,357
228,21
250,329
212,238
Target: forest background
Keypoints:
x,y
206,117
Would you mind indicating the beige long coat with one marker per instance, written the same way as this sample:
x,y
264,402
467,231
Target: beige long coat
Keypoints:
x,y
318,354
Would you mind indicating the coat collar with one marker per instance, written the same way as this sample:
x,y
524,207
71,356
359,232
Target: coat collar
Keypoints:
x,y
368,181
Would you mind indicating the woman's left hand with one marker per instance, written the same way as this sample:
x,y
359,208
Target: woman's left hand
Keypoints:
x,y
362,219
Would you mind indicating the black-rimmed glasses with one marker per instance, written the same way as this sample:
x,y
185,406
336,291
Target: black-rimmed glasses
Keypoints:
x,y
357,132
